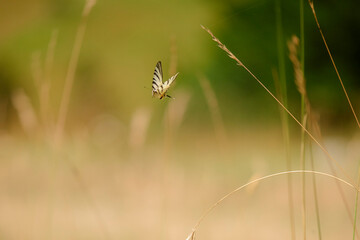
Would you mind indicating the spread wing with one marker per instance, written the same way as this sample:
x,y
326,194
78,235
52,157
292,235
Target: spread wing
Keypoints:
x,y
157,78
167,84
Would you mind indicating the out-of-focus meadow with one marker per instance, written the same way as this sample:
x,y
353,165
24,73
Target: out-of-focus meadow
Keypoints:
x,y
114,163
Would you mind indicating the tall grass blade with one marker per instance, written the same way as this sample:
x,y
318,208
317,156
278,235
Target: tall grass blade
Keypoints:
x,y
318,222
311,3
284,117
303,111
303,178
356,205
45,85
214,110
69,80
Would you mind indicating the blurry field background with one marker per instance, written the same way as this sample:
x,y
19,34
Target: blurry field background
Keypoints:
x,y
133,167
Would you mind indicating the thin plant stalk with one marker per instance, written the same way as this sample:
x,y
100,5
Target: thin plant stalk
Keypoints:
x,y
356,205
303,110
284,116
302,51
214,110
239,63
315,193
333,63
281,52
303,182
217,203
69,80
45,85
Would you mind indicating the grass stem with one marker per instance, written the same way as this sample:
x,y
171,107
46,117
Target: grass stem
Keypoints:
x,y
284,117
315,193
69,80
303,111
356,205
303,179
311,3
212,207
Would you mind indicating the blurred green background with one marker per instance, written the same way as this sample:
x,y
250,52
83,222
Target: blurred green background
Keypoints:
x,y
125,39
134,167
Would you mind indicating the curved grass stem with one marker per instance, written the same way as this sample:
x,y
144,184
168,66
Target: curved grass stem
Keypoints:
x,y
212,207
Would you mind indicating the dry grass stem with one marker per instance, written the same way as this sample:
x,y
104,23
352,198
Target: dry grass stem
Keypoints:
x,y
69,80
356,207
176,109
25,111
311,3
138,128
302,157
231,55
315,193
88,6
214,108
173,117
223,47
45,85
212,207
191,236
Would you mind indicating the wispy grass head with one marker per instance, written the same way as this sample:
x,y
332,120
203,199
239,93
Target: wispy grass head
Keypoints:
x,y
293,46
223,47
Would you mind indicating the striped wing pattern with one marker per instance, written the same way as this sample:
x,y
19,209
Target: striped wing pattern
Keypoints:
x,y
157,78
159,88
167,84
